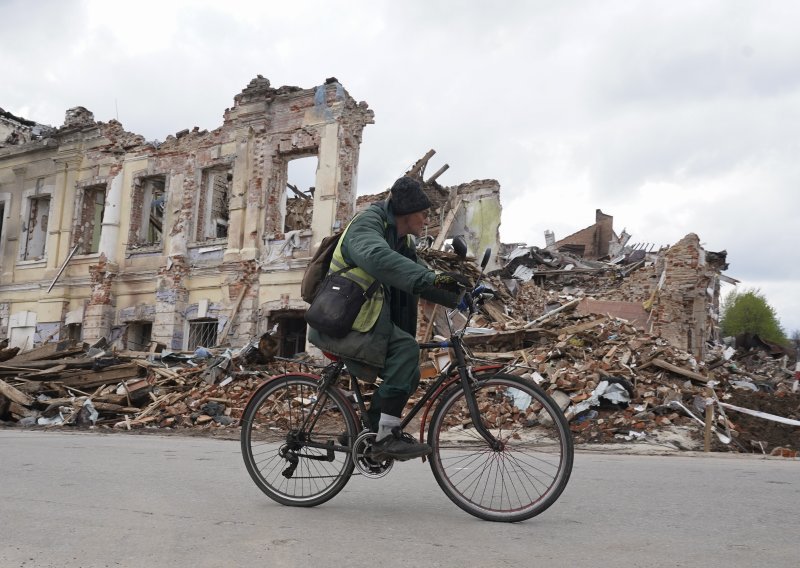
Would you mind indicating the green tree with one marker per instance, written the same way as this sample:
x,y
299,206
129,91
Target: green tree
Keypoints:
x,y
749,312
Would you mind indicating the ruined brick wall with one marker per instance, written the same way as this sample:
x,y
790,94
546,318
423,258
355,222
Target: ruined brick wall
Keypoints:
x,y
99,312
594,239
4,313
265,129
638,286
681,306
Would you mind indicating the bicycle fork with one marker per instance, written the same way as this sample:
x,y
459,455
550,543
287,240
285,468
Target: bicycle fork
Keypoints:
x,y
472,404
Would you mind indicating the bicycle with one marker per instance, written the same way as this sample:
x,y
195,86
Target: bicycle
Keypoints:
x,y
502,449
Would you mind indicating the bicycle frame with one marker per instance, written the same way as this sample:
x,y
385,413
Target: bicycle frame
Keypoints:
x,y
453,372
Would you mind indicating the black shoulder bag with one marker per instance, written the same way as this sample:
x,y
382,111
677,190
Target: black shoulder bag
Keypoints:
x,y
337,304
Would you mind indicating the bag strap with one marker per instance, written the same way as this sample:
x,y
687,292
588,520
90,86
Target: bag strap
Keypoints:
x,y
372,287
369,291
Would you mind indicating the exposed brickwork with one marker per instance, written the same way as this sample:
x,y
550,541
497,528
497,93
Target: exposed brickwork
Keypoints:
x,y
4,313
264,129
591,242
101,280
682,308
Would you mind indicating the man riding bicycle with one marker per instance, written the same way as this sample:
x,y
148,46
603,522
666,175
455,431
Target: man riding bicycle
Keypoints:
x,y
378,244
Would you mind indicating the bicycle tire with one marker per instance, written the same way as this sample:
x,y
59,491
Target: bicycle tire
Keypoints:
x,y
273,411
524,477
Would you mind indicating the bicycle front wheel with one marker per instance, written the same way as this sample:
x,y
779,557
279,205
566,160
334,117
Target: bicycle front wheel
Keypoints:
x,y
526,474
279,423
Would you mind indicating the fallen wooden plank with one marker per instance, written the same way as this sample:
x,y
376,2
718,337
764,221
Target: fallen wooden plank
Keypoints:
x,y
19,411
55,370
137,354
119,409
447,223
160,371
571,305
583,326
15,395
151,407
93,379
500,356
8,353
112,399
495,311
128,423
32,366
223,336
49,351
678,370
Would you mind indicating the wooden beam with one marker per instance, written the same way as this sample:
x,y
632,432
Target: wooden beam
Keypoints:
x,y
49,351
578,327
447,223
226,328
439,172
420,165
63,266
297,191
571,305
678,370
15,395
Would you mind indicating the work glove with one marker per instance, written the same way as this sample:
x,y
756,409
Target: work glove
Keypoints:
x,y
451,282
480,294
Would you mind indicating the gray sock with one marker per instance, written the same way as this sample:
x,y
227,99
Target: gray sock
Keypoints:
x,y
386,424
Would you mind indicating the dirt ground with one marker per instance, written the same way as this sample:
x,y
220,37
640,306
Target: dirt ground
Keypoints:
x,y
753,429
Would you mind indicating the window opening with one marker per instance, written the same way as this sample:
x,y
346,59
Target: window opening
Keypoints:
x,y
36,227
213,207
147,215
90,223
2,216
202,333
74,331
138,335
291,333
299,194
99,201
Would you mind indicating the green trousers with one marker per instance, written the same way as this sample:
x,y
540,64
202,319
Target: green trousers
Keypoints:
x,y
400,375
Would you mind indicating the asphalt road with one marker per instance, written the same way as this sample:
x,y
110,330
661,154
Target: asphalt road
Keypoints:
x,y
89,500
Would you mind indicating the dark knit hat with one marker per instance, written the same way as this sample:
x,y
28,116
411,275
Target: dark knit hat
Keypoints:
x,y
407,196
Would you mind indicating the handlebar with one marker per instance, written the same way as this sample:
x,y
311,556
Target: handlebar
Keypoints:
x,y
480,292
435,345
471,298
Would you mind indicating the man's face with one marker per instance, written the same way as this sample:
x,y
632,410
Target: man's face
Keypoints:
x,y
414,223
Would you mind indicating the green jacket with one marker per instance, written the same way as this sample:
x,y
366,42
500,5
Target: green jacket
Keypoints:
x,y
372,245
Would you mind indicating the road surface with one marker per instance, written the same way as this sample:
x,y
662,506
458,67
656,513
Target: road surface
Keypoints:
x,y
90,500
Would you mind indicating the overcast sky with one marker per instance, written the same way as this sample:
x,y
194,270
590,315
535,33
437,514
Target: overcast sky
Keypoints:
x,y
674,117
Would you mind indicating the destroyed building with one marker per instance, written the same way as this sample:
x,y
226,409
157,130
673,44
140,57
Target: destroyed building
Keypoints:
x,y
671,292
200,240
193,241
122,244
591,243
15,130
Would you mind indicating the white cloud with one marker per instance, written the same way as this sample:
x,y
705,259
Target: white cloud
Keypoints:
x,y
673,117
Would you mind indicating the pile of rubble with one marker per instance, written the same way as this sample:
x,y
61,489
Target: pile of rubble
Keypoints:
x,y
613,381
65,383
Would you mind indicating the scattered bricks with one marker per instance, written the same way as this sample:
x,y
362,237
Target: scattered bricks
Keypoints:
x,y
784,452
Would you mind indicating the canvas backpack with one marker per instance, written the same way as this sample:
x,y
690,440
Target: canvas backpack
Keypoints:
x,y
318,267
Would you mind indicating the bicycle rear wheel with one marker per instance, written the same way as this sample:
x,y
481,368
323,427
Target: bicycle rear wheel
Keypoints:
x,y
276,453
521,479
